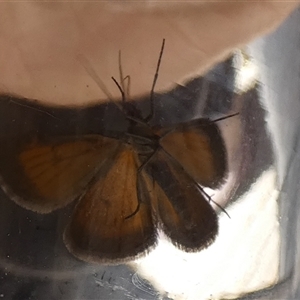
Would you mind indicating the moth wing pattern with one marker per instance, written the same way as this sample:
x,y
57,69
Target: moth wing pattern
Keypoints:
x,y
43,176
103,227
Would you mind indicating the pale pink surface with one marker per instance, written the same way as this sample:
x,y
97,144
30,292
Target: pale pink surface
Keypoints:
x,y
41,43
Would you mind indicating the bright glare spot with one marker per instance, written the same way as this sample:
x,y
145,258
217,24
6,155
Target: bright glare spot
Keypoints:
x,y
244,257
246,76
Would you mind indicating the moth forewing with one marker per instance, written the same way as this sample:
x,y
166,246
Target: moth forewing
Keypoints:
x,y
99,230
184,214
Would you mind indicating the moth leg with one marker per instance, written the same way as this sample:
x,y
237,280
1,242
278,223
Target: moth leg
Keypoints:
x,y
211,200
139,188
138,199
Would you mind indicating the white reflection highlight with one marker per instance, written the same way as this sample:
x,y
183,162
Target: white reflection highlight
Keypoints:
x,y
244,257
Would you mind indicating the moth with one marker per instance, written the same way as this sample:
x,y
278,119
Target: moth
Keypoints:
x,y
128,184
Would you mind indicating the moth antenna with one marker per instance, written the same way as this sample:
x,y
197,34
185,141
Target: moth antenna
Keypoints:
x,y
89,69
154,82
224,118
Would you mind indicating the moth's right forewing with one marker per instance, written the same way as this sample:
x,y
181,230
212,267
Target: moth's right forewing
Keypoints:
x,y
185,215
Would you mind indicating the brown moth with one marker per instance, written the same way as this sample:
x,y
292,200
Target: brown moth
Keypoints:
x,y
128,184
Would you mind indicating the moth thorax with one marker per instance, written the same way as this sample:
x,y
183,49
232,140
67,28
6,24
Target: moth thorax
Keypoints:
x,y
144,147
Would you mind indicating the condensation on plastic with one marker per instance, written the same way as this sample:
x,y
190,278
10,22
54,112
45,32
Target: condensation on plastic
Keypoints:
x,y
255,255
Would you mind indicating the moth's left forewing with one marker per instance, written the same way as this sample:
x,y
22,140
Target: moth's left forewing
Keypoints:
x,y
199,148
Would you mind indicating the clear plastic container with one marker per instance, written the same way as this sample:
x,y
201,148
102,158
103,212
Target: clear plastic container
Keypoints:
x,y
255,255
